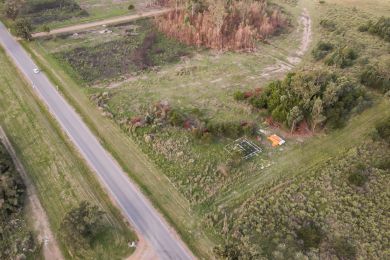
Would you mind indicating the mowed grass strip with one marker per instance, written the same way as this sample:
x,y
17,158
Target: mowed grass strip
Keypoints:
x,y
61,177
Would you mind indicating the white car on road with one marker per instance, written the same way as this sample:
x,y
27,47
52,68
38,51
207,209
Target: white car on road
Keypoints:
x,y
36,70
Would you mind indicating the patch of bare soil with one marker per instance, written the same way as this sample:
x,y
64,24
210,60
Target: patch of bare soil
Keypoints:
x,y
115,20
41,224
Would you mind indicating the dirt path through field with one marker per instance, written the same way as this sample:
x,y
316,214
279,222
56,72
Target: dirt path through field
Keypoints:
x,y
115,20
282,66
41,224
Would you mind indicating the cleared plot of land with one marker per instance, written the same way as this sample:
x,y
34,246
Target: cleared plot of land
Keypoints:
x,y
126,49
61,178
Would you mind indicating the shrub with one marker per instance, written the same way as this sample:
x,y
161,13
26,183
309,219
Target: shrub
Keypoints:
x,y
344,249
328,24
82,224
383,130
342,57
311,236
357,178
131,7
322,49
239,95
376,78
176,117
23,28
380,28
46,28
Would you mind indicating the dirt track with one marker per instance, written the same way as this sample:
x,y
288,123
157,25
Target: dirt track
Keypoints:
x,y
292,60
115,20
41,224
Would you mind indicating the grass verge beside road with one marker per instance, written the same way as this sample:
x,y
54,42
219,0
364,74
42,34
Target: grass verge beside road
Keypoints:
x,y
154,184
60,175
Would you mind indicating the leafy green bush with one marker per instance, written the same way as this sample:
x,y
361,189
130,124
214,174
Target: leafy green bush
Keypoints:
x,y
311,235
23,28
383,130
176,117
342,57
322,49
376,78
357,178
344,248
328,24
380,28
239,95
80,225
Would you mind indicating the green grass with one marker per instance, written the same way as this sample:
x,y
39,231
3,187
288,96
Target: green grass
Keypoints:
x,y
207,81
60,175
161,191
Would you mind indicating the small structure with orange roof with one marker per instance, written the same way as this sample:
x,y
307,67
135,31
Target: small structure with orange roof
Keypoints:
x,y
276,140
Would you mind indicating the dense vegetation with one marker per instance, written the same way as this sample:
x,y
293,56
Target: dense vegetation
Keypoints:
x,y
15,238
325,214
82,225
42,11
341,56
222,24
376,77
381,28
317,97
136,51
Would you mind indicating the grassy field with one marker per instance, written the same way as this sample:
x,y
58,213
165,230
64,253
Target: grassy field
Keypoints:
x,y
192,179
61,177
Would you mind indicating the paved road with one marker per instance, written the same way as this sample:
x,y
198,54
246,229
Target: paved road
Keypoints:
x,y
115,20
145,219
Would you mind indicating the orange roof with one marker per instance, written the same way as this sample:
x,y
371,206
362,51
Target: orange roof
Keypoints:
x,y
276,140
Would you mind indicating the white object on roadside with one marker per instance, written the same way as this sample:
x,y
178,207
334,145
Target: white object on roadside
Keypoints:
x,y
36,70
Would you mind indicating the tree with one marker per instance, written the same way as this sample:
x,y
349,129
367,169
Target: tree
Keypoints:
x,y
294,117
317,116
46,28
81,224
12,8
23,28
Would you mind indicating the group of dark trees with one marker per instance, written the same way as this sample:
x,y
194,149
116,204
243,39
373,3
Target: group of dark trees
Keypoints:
x,y
28,14
15,238
82,224
221,24
381,28
317,97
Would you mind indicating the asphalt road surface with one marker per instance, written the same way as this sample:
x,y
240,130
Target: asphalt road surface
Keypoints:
x,y
139,211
